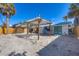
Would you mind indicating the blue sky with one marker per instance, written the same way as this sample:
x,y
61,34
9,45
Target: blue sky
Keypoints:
x,y
49,11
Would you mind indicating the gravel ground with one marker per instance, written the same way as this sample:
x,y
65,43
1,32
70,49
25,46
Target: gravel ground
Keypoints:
x,y
28,45
61,46
23,45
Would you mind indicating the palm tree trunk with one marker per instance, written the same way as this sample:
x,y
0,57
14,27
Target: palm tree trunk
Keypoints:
x,y
7,23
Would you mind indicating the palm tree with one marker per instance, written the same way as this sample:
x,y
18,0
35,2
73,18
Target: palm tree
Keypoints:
x,y
65,18
74,13
8,10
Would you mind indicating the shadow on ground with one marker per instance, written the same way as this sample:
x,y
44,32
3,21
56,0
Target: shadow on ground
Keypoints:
x,y
17,54
29,35
23,36
61,46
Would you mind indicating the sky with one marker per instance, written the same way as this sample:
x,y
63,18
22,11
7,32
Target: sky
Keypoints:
x,y
49,11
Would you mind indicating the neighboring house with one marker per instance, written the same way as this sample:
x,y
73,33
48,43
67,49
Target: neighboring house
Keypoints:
x,y
76,21
76,27
63,28
19,28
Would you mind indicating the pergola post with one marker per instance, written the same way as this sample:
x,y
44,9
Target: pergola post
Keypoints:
x,y
50,29
27,29
38,30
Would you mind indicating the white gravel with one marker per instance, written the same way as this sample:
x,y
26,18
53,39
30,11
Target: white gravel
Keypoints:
x,y
14,45
28,45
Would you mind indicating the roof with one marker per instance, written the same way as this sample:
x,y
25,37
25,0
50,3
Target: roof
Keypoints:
x,y
34,21
64,23
43,21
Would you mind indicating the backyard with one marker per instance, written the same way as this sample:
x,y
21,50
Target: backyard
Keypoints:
x,y
24,32
28,45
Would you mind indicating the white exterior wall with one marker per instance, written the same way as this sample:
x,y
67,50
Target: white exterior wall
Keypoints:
x,y
65,29
52,29
42,28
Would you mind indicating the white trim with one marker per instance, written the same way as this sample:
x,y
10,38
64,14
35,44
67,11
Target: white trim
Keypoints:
x,y
30,20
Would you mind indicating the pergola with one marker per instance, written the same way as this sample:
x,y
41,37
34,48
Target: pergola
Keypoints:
x,y
37,22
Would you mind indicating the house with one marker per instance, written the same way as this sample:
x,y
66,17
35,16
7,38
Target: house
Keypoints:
x,y
63,28
32,25
18,28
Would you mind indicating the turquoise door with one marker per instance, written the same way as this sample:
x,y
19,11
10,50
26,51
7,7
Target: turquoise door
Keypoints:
x,y
58,30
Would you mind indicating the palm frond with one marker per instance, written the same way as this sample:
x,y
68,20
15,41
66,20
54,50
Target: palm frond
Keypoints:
x,y
74,11
8,8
